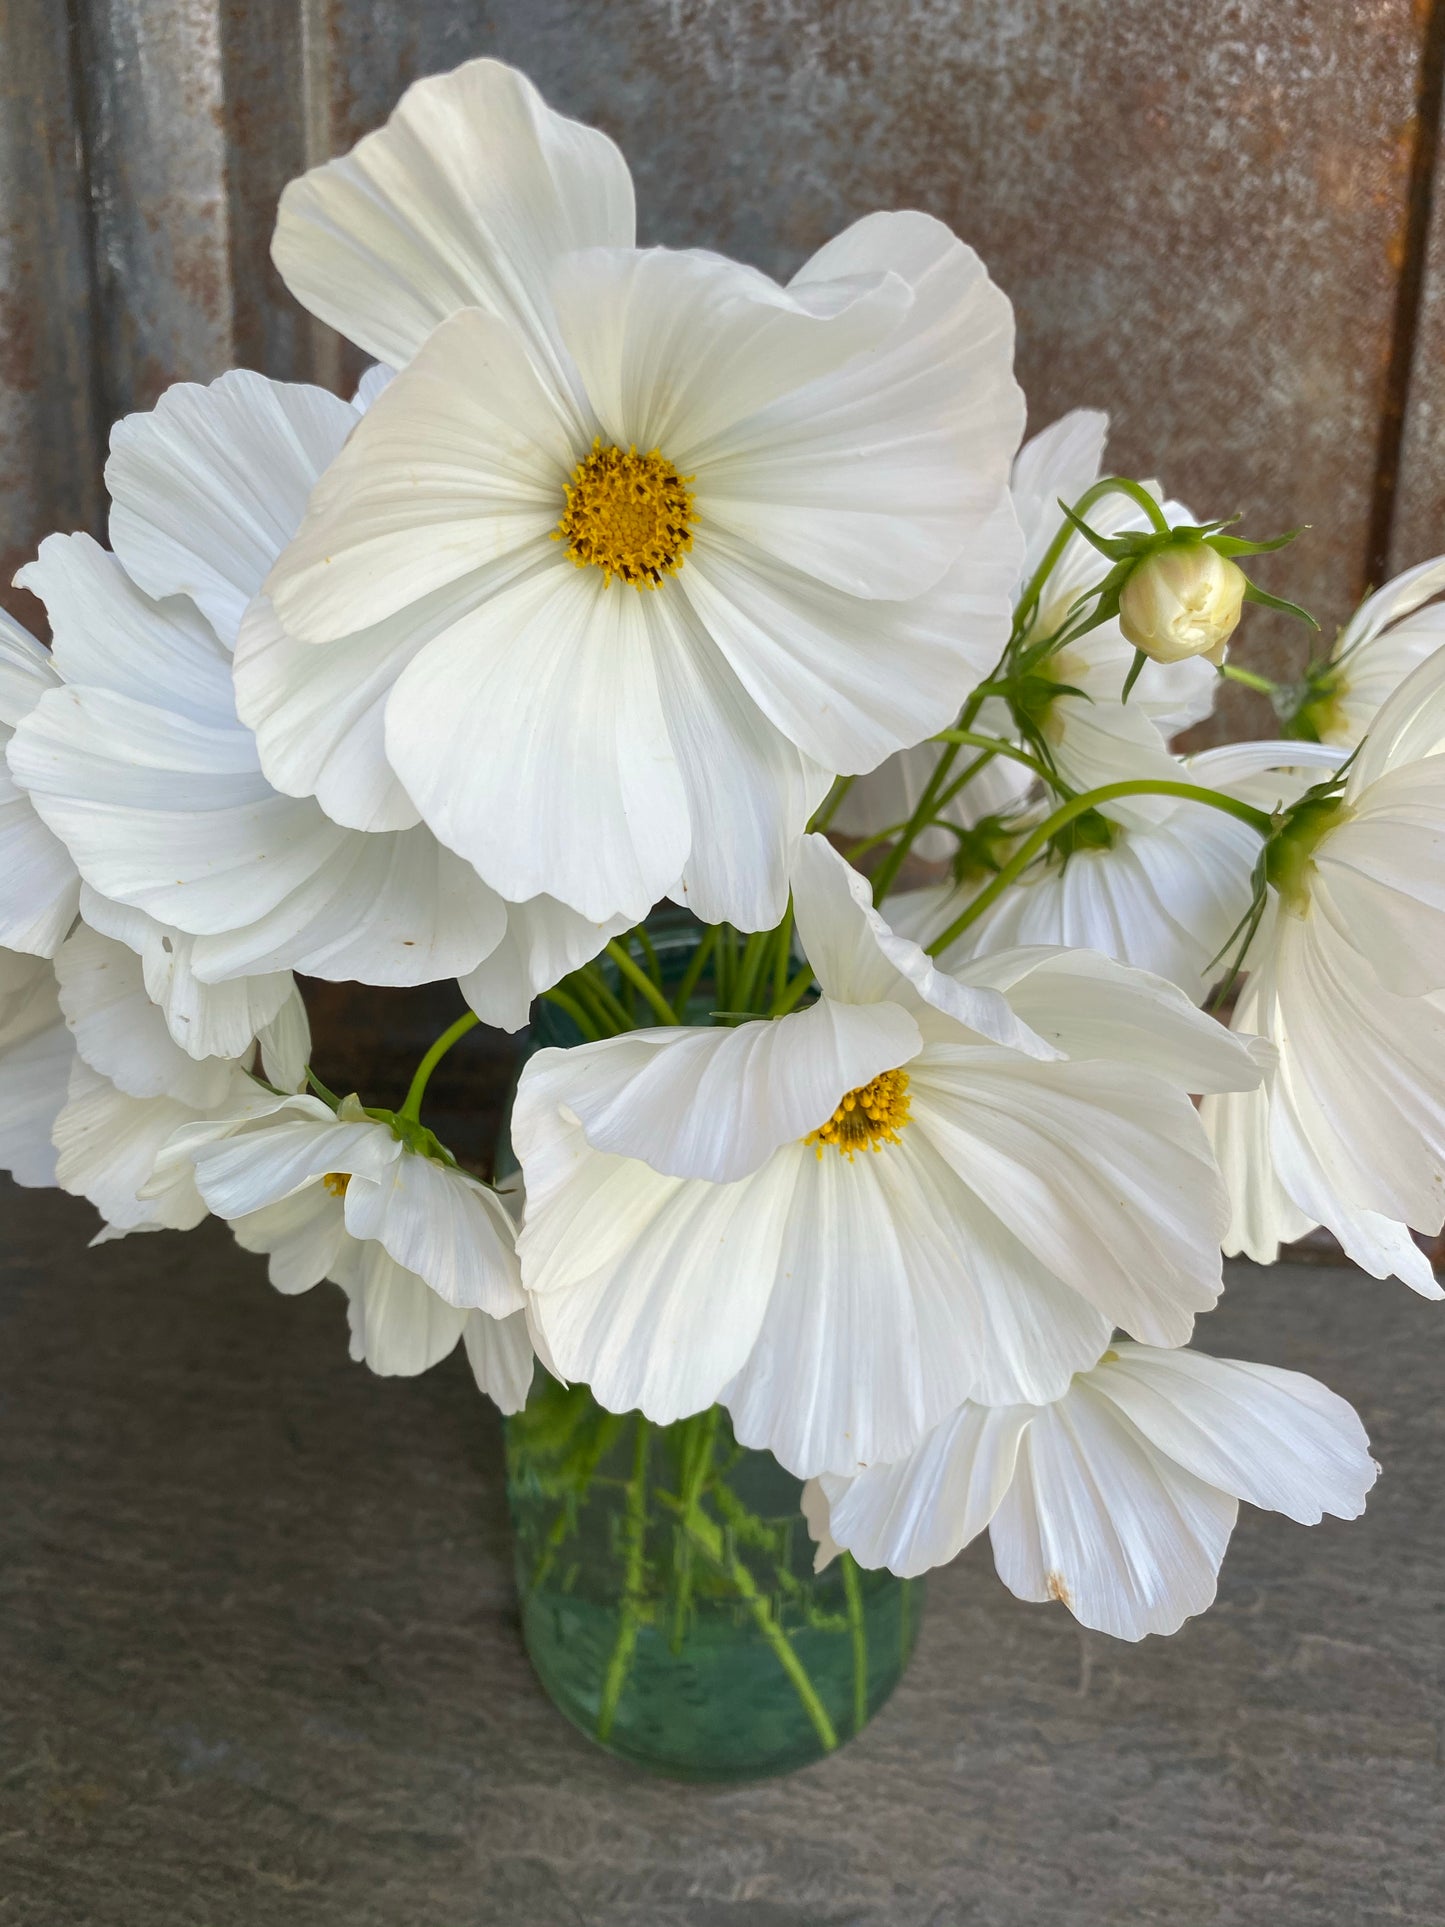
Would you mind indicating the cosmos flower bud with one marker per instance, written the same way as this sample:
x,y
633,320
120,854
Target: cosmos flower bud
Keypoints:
x,y
1182,600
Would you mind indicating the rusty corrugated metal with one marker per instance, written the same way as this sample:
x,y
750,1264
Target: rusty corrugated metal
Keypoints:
x,y
1200,213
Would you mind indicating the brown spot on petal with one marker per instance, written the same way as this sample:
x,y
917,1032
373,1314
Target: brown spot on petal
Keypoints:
x,y
1059,1589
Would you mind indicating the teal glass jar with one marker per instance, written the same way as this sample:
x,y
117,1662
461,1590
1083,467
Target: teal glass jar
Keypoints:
x,y
665,1573
669,1602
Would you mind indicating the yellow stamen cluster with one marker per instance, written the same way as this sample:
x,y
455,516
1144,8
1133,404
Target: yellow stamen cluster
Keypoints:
x,y
627,514
867,1118
336,1182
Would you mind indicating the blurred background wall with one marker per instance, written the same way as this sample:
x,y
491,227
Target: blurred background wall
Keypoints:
x,y
1218,221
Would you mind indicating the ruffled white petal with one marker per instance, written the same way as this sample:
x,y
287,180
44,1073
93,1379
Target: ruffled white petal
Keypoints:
x,y
468,197
873,476
122,1034
1409,727
1058,463
39,888
242,1165
36,1055
399,1326
303,1237
209,486
108,1147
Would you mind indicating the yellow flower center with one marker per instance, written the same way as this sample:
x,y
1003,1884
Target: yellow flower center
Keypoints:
x,y
867,1118
336,1182
627,514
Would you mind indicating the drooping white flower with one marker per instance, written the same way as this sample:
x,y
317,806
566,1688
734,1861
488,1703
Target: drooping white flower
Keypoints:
x,y
1092,736
1118,1498
425,1253
1165,889
142,767
1347,981
639,546
842,1222
1391,633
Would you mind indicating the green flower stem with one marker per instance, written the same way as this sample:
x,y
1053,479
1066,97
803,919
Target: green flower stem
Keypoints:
x,y
1077,806
962,782
859,1634
708,1537
649,952
574,1010
583,1470
995,746
793,993
886,875
699,1443
755,956
610,1006
1107,485
784,952
905,1615
411,1107
629,1617
693,974
641,982
1247,679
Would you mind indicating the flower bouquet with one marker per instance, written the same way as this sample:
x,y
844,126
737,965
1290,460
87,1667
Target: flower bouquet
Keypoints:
x,y
697,671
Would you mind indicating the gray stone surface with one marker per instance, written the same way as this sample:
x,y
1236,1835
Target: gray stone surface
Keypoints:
x,y
259,1664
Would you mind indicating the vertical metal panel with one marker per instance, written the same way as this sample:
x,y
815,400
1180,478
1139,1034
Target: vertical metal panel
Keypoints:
x,y
277,119
1198,211
49,433
150,107
1416,505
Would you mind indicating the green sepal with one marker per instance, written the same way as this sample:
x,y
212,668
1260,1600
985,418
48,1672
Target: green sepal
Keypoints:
x,y
1232,545
1135,670
1267,601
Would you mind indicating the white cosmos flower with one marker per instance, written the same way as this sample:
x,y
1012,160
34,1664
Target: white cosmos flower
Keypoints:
x,y
425,1253
1391,633
1347,981
1117,1498
1029,1173
140,764
1092,736
639,546
1167,891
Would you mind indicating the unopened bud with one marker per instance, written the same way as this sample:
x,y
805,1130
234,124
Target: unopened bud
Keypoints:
x,y
1181,601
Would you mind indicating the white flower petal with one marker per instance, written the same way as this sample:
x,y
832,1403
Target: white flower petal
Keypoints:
x,y
106,633
544,942
263,1160
850,681
399,1326
36,1055
716,1104
500,1354
1091,1007
286,1045
108,1145
532,739
466,198
319,715
650,1289
1276,1439
675,348
210,485
39,889
749,792
205,1020
458,469
923,1511
122,1034
1410,726
1379,877
871,476
858,959
1058,463
444,1226
302,1236
867,1341
1098,1518
1101,1170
